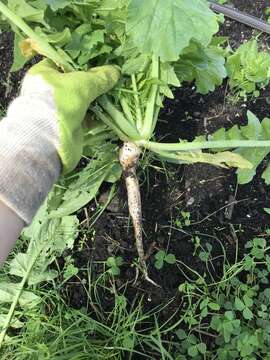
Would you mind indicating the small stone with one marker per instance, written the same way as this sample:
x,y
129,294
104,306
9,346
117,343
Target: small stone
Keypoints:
x,y
190,201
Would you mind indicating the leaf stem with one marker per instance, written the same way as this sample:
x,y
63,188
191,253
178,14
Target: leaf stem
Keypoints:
x,y
137,103
201,145
46,48
151,104
119,119
126,110
109,122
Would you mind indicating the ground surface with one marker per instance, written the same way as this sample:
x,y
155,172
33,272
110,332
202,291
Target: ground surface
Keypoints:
x,y
219,209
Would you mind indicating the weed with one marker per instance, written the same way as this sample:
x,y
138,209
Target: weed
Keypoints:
x,y
114,264
248,70
162,257
231,314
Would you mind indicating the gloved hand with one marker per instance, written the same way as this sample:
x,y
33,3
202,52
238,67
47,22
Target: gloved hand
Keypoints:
x,y
70,95
42,133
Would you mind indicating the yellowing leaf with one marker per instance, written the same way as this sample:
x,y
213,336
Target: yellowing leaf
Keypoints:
x,y
223,159
29,48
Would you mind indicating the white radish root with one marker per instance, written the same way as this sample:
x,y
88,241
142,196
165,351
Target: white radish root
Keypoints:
x,y
129,156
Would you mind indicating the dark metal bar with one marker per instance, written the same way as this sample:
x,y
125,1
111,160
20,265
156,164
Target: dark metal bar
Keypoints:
x,y
241,17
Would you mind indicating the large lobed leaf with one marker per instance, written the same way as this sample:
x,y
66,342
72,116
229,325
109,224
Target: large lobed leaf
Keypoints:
x,y
165,28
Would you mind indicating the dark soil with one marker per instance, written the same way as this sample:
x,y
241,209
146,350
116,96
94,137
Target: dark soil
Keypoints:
x,y
9,82
219,209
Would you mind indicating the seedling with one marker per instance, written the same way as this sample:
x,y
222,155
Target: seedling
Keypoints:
x,y
183,220
114,264
162,257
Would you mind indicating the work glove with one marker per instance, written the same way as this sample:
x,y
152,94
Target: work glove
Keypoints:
x,y
70,94
41,136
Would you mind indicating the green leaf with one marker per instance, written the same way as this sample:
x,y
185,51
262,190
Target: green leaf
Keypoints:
x,y
267,210
59,38
19,267
247,313
135,65
248,69
247,300
193,351
214,306
84,189
70,271
202,348
15,323
26,11
49,241
111,262
114,270
239,305
114,174
119,261
18,59
160,255
181,334
170,259
204,65
254,130
165,28
57,4
229,315
9,290
159,264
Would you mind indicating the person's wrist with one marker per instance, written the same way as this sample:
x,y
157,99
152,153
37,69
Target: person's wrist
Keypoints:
x,y
29,162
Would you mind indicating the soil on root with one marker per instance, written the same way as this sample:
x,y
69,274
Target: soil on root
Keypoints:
x,y
221,212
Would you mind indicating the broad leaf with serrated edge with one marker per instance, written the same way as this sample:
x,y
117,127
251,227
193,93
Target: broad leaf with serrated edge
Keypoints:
x,y
204,65
165,28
